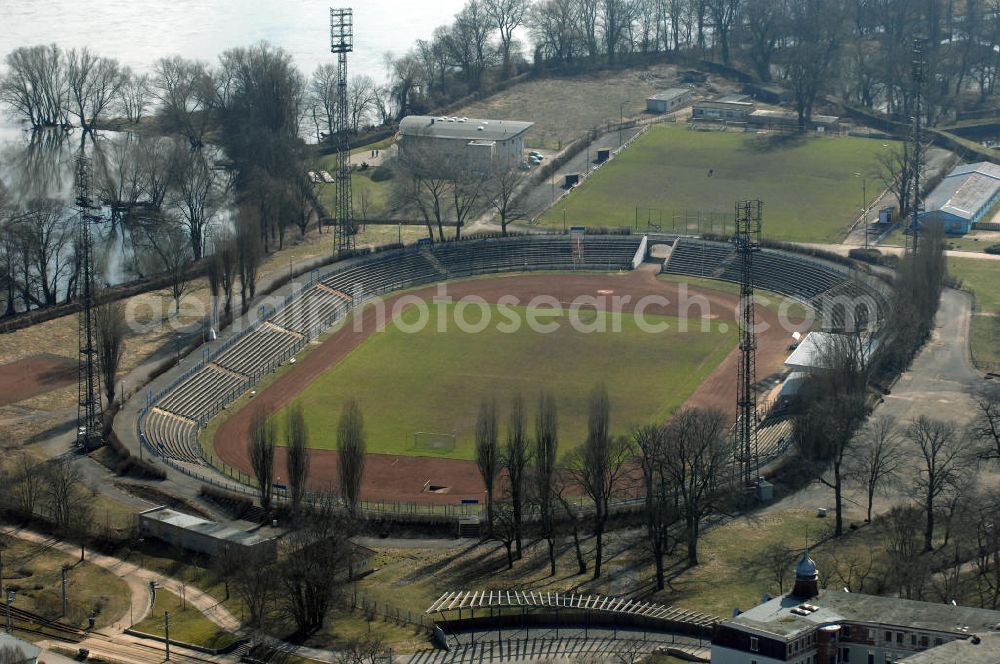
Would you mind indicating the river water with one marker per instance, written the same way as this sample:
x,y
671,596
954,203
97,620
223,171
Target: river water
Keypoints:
x,y
138,33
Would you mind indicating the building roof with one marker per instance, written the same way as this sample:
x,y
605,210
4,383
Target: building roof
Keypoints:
x,y
743,100
671,94
791,116
202,526
965,191
977,649
808,356
462,128
782,617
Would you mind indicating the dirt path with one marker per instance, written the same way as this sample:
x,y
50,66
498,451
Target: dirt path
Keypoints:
x,y
395,478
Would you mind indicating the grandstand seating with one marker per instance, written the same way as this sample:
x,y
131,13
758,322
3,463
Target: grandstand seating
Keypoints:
x,y
196,395
172,436
811,280
310,311
538,253
258,350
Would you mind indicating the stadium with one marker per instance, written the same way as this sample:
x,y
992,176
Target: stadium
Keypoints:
x,y
321,342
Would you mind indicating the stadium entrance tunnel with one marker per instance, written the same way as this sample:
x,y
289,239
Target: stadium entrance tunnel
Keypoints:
x,y
430,487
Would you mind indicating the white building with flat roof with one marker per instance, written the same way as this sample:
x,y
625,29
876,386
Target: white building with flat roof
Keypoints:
x,y
478,144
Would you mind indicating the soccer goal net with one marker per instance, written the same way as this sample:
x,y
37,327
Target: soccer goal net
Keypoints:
x,y
434,442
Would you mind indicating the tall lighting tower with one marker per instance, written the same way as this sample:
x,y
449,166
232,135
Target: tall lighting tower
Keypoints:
x,y
342,43
917,76
747,241
88,419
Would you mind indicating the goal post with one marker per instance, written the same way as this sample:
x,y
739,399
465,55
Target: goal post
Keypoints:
x,y
429,441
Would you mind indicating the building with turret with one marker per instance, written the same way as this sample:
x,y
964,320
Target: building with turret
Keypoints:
x,y
814,626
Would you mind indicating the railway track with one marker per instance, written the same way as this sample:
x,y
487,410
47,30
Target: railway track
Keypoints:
x,y
32,623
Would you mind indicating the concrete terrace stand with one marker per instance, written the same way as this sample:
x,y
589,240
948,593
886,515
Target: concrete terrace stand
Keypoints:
x,y
163,421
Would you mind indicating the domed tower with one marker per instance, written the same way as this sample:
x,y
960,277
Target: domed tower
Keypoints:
x,y
806,578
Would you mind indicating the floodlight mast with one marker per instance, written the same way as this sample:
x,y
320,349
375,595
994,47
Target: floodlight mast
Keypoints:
x,y
342,43
88,414
747,241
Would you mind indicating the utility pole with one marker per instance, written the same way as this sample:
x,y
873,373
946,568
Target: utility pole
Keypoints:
x,y
166,632
64,570
917,76
11,595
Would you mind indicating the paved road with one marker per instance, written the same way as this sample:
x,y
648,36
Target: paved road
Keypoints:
x,y
541,196
843,249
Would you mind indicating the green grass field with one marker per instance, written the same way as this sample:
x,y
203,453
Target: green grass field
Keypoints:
x,y
808,185
980,277
187,623
433,381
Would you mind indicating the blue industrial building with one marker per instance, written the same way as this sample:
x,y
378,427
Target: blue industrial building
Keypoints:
x,y
964,197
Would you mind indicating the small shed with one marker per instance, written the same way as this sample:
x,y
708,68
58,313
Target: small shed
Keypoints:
x,y
668,100
727,108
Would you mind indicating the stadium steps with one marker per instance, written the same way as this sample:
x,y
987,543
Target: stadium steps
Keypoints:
x,y
438,265
313,309
258,351
223,369
337,293
773,437
279,328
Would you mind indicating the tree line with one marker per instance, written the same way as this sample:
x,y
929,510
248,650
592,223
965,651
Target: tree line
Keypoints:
x,y
858,50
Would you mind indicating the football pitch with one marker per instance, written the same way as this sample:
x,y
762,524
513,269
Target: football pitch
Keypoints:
x,y
432,380
808,184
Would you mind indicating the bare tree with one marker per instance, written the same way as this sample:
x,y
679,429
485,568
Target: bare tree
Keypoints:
x,y
947,458
878,461
661,513
545,469
255,580
425,182
488,453
196,197
93,83
248,257
562,484
599,465
223,267
764,27
515,461
351,447
35,85
986,427
696,453
835,407
187,96
261,452
28,483
502,186
134,95
815,32
322,96
776,562
170,254
508,16
318,565
901,539
360,97
63,491
505,529
724,15
366,649
297,454
111,328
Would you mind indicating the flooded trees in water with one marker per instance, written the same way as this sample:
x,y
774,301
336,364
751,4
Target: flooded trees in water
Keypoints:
x,y
34,85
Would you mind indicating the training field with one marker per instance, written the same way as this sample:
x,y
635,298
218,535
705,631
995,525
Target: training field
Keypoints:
x,y
433,381
808,185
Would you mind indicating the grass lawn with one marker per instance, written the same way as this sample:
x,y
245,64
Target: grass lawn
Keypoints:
x,y
433,381
980,276
187,624
563,108
808,185
35,573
